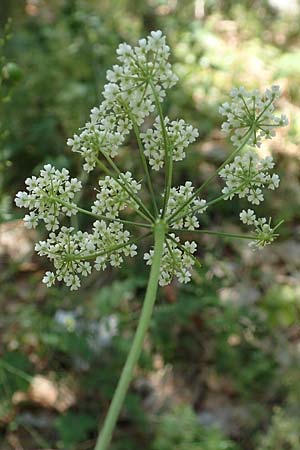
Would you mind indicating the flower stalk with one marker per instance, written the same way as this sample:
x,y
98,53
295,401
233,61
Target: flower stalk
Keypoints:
x,y
136,348
168,152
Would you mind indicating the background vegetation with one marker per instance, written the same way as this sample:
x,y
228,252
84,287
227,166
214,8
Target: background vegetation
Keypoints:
x,y
221,366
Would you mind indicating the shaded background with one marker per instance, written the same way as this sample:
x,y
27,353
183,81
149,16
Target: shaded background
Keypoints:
x,y
221,367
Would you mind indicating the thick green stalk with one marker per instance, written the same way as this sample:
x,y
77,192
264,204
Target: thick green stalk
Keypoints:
x,y
126,376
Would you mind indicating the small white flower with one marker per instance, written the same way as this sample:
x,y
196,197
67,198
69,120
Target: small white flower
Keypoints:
x,y
49,279
255,196
30,220
248,217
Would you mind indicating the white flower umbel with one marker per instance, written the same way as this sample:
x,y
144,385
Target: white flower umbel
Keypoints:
x,y
177,260
48,196
135,89
252,112
178,197
247,175
180,135
129,96
73,252
113,198
263,233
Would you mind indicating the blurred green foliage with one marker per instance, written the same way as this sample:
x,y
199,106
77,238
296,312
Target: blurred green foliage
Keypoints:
x,y
180,429
284,432
231,338
74,428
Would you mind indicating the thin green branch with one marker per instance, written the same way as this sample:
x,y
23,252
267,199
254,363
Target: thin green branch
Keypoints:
x,y
102,217
193,211
144,162
211,202
105,169
209,179
245,104
129,192
146,214
14,370
278,225
109,250
217,233
82,178
265,108
168,152
171,252
183,249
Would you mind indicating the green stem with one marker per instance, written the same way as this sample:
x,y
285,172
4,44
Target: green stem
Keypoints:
x,y
144,162
210,203
112,249
83,177
102,217
217,233
194,211
183,249
16,371
278,225
136,348
104,168
168,152
265,108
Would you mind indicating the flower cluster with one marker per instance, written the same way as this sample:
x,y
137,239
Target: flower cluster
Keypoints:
x,y
251,115
71,250
247,175
48,196
113,198
180,196
140,79
264,234
135,88
179,135
177,260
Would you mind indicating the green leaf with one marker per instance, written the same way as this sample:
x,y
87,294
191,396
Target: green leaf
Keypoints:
x,y
74,428
15,372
